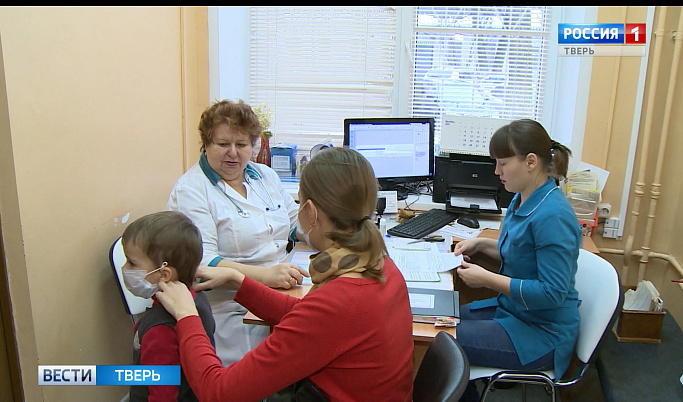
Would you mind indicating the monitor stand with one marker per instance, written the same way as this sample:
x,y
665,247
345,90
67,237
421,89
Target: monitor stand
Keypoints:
x,y
401,193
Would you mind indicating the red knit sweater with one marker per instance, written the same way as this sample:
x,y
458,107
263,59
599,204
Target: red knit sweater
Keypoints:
x,y
351,337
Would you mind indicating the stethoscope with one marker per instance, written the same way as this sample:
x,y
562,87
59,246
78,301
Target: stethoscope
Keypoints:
x,y
249,174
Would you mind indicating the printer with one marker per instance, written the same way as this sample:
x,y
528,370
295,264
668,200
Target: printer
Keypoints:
x,y
467,183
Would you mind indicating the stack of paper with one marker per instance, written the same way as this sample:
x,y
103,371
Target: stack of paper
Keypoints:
x,y
420,261
584,180
644,298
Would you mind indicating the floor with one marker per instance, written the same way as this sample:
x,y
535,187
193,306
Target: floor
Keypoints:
x,y
587,389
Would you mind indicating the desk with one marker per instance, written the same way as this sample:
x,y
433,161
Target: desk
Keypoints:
x,y
424,202
587,243
423,334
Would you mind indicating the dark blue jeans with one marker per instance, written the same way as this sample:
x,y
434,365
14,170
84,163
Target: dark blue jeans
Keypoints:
x,y
486,343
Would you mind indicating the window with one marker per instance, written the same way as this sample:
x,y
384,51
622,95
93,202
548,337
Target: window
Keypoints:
x,y
487,61
315,66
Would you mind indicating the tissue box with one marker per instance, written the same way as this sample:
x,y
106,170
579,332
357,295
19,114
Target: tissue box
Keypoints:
x,y
283,159
639,326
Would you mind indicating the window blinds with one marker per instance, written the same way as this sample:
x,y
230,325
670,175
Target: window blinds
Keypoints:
x,y
487,61
315,66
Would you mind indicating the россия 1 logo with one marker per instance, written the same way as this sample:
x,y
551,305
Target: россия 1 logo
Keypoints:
x,y
601,39
635,34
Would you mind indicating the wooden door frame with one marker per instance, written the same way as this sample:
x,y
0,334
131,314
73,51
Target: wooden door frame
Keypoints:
x,y
8,329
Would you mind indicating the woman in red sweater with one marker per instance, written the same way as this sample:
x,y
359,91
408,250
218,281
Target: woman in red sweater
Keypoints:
x,y
350,337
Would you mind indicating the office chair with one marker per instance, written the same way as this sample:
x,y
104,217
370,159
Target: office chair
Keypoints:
x,y
134,305
599,291
444,372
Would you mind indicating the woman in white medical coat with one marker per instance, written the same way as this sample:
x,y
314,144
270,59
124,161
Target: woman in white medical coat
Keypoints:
x,y
244,214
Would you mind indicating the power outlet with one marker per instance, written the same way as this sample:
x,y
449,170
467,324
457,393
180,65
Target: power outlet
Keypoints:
x,y
604,210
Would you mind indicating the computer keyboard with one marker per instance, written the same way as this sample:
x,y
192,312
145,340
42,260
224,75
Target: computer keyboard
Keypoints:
x,y
423,224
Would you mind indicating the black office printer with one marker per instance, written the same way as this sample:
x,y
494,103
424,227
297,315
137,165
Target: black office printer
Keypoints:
x,y
469,176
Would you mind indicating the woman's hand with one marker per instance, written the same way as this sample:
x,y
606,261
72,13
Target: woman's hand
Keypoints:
x,y
466,248
476,276
473,275
283,275
177,299
218,277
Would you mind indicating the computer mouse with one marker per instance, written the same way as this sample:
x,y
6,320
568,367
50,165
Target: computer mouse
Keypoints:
x,y
469,222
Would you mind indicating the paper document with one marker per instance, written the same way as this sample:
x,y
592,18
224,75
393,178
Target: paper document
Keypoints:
x,y
484,203
406,244
302,259
423,261
417,276
421,301
459,231
445,282
644,298
602,174
420,261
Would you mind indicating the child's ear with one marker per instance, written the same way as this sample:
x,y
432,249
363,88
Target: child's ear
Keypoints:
x,y
167,274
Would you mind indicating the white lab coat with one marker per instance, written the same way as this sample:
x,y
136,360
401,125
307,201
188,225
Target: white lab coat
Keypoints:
x,y
259,239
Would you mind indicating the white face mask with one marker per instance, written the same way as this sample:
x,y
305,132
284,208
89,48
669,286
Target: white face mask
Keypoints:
x,y
305,235
137,284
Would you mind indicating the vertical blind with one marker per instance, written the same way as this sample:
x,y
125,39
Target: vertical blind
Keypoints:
x,y
485,61
315,66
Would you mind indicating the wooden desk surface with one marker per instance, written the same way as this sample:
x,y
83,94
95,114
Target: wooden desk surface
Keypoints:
x,y
421,332
587,243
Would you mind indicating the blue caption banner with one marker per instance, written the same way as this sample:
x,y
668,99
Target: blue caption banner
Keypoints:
x,y
138,375
108,375
584,34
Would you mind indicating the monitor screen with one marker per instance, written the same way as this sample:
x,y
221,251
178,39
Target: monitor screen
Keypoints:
x,y
400,150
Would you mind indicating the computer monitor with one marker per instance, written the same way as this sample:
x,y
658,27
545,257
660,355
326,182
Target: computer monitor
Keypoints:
x,y
400,150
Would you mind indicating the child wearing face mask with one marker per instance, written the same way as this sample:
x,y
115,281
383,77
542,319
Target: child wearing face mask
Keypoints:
x,y
161,247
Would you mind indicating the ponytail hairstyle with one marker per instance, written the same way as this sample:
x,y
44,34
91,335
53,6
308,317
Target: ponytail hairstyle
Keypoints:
x,y
341,182
522,137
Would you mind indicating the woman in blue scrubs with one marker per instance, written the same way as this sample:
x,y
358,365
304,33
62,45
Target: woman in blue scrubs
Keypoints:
x,y
533,323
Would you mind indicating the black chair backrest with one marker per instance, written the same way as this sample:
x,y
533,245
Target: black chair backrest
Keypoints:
x,y
444,372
